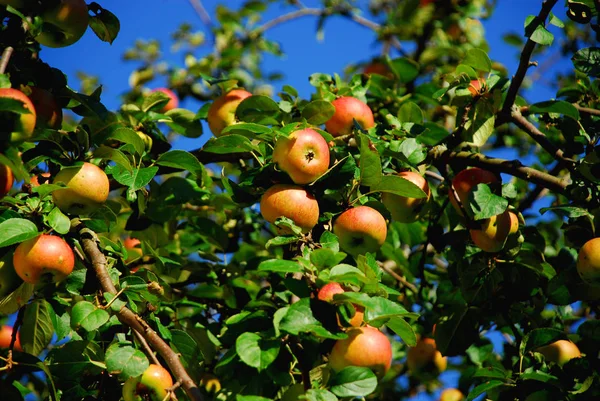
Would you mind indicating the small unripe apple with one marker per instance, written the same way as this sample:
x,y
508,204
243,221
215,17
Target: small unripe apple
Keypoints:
x,y
588,262
9,279
6,179
221,113
360,230
173,102
403,209
43,255
21,126
365,347
64,23
493,233
304,155
87,189
290,201
560,352
466,181
452,394
348,109
326,294
6,332
152,385
425,357
49,113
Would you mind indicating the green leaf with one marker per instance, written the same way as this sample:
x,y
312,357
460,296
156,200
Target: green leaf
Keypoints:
x,y
88,316
104,23
397,185
478,59
58,221
246,128
571,212
112,154
187,347
483,388
240,397
231,143
180,159
325,258
299,319
17,298
539,337
370,163
486,204
554,20
410,113
402,328
318,112
405,69
184,122
320,395
125,361
37,330
257,352
125,135
587,61
280,266
414,152
353,381
555,106
257,109
491,372
535,30
13,231
281,240
136,179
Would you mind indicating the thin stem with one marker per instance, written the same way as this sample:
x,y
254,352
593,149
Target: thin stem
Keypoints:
x,y
5,58
201,11
147,348
398,277
587,110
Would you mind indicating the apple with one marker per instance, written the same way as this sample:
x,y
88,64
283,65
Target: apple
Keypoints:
x,y
360,230
365,347
21,126
147,139
465,181
403,209
588,262
326,294
290,201
425,357
380,69
452,394
152,385
210,382
477,87
304,155
9,280
49,113
493,232
6,179
348,109
173,102
43,255
35,180
6,332
87,189
221,113
134,251
65,22
514,223
561,352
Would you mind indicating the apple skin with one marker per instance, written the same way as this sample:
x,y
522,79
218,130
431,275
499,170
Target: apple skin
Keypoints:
x,y
346,109
493,233
87,189
49,113
6,337
64,24
303,155
560,352
452,394
477,86
326,294
221,113
151,385
24,123
360,230
44,254
6,179
173,99
290,201
403,209
9,279
588,262
425,357
364,347
465,181
514,223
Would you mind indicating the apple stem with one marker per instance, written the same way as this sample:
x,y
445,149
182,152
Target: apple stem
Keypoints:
x,y
5,58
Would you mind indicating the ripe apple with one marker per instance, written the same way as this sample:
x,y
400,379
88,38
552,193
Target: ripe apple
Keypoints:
x,y
348,109
403,209
49,113
588,262
493,232
304,155
380,69
152,385
477,86
465,181
365,347
6,179
65,23
221,113
6,337
87,189
35,180
514,223
424,357
326,294
9,280
360,230
290,201
561,352
21,126
452,394
173,99
42,255
133,246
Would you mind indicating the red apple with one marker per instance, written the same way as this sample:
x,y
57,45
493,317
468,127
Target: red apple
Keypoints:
x,y
326,294
290,201
173,99
424,357
65,22
221,113
6,180
348,109
304,155
560,352
152,385
360,230
20,125
493,232
87,189
6,332
43,255
452,394
365,347
403,209
465,181
49,113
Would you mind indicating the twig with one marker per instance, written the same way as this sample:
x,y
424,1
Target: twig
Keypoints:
x,y
201,11
587,110
288,17
398,277
147,348
5,58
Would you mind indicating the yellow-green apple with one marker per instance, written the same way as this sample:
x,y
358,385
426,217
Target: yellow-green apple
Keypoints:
x,y
493,232
20,126
465,181
6,332
326,294
514,223
588,262
173,102
403,209
348,109
365,347
152,385
43,255
477,86
210,382
293,202
380,69
87,189
65,22
49,113
303,155
9,280
425,357
452,394
360,230
221,113
560,352
6,179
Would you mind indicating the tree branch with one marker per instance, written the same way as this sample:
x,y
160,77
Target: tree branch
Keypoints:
x,y
5,58
587,110
127,317
201,11
540,191
288,17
